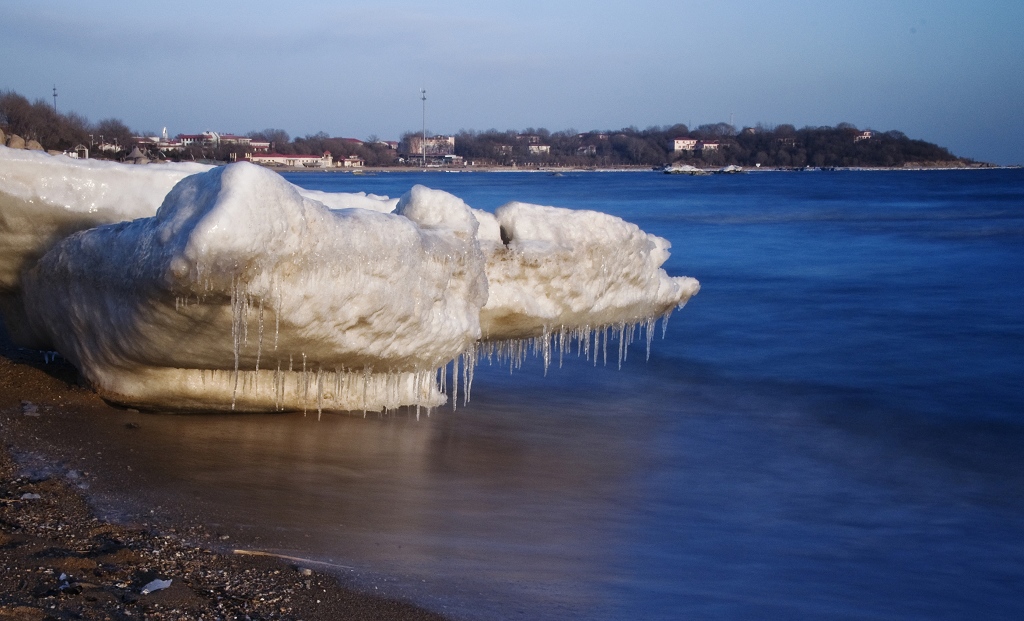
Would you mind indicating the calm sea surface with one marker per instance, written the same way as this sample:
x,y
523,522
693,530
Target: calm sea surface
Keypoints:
x,y
833,428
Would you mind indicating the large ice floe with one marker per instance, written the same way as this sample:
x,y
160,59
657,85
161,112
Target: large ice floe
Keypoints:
x,y
229,288
44,198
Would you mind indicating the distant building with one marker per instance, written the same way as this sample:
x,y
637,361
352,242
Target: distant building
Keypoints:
x,y
80,152
537,149
684,144
709,145
588,149
212,139
865,135
279,159
433,146
352,161
206,139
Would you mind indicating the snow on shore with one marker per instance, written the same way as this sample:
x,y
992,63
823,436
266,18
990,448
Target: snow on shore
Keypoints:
x,y
245,292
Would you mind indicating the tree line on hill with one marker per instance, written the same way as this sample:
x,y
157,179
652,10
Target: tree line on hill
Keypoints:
x,y
39,121
778,146
773,146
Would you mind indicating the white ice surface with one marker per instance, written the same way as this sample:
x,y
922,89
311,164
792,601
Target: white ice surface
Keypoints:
x,y
572,270
241,293
45,198
245,292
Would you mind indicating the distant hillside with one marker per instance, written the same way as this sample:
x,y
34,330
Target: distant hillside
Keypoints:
x,y
717,144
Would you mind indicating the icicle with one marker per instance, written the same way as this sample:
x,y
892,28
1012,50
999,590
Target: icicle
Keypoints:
x,y
649,334
366,388
277,314
622,343
546,349
470,366
337,384
418,393
259,344
319,393
305,379
234,336
604,343
244,314
455,384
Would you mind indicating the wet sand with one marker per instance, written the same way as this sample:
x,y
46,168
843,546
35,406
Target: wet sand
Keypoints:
x,y
59,560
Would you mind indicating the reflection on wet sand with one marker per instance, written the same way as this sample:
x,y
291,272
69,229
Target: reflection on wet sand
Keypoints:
x,y
494,498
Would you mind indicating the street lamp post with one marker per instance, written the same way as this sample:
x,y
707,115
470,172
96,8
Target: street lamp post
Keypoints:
x,y
423,141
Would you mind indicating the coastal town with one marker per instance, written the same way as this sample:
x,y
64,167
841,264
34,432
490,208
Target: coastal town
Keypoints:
x,y
674,148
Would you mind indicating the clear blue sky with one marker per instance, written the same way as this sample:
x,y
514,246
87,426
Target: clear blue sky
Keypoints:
x,y
947,72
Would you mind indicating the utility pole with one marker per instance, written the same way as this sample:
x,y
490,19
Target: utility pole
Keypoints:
x,y
423,142
54,98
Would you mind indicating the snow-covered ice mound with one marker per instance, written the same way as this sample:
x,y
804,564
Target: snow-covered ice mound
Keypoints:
x,y
240,293
45,198
554,270
245,292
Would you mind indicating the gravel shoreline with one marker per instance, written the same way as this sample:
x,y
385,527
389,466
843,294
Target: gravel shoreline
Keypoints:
x,y
60,561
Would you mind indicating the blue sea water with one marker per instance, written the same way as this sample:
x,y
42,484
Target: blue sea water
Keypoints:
x,y
832,428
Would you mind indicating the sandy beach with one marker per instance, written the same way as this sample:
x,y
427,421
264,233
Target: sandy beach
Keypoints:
x,y
59,560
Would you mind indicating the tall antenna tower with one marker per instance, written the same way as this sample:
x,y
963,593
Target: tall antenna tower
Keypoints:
x,y
423,142
55,98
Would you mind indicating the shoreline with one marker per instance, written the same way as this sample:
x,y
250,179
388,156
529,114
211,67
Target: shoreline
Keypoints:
x,y
374,170
60,560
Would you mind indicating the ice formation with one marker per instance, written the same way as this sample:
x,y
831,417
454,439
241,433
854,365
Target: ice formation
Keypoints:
x,y
569,272
44,198
244,292
241,292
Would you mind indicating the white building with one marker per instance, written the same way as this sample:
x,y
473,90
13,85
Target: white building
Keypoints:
x,y
684,144
279,159
433,146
